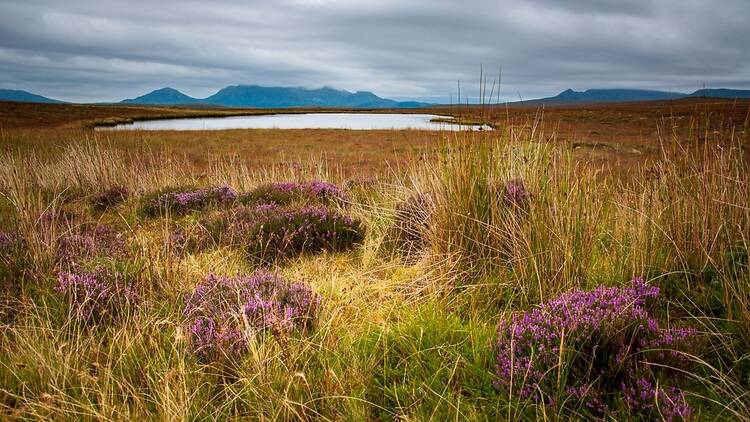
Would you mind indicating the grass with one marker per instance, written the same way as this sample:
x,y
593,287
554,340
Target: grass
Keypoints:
x,y
395,339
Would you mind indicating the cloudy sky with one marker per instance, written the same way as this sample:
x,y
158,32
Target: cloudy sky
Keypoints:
x,y
107,50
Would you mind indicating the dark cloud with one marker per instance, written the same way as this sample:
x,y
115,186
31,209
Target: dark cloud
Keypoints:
x,y
111,49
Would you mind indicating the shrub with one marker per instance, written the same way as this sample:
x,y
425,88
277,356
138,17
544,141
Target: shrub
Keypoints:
x,y
224,313
184,201
103,240
515,193
110,197
412,224
285,193
292,232
96,296
600,348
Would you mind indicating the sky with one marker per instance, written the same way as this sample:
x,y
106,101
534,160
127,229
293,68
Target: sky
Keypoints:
x,y
107,50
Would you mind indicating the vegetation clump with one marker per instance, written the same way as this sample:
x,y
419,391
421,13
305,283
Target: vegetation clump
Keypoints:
x,y
293,232
96,296
412,224
224,314
110,197
184,201
600,348
102,240
285,193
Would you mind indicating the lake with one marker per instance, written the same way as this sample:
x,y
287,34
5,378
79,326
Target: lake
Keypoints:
x,y
354,121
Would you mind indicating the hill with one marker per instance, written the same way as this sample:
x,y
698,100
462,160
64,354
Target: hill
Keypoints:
x,y
163,96
722,93
274,97
25,96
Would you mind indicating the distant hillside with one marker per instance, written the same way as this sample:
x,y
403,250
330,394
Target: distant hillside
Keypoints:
x,y
164,96
274,97
25,96
722,93
607,96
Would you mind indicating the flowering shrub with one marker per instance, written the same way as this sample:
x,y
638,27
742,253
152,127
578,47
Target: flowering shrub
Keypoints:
x,y
595,347
515,192
110,197
412,222
180,202
224,313
285,193
103,240
95,296
296,231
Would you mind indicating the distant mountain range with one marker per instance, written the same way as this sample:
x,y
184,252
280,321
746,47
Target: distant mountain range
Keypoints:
x,y
274,97
26,97
283,97
592,96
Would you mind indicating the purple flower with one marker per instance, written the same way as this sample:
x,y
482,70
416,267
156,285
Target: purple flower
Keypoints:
x,y
292,232
225,312
103,240
604,338
95,295
285,193
515,192
181,202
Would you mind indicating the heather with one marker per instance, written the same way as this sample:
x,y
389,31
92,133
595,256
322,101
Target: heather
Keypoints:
x,y
110,197
184,201
598,348
291,232
226,314
99,241
488,276
96,296
285,193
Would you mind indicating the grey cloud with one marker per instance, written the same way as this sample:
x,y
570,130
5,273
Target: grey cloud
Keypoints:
x,y
111,49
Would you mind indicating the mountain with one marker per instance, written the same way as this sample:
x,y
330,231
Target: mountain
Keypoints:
x,y
24,96
165,96
722,93
607,96
274,97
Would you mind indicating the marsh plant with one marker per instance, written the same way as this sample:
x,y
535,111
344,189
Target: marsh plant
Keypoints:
x,y
110,197
99,241
96,296
184,201
296,231
411,225
285,193
225,314
600,348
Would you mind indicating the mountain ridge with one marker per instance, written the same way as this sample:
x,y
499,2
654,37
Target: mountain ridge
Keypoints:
x,y
26,97
273,97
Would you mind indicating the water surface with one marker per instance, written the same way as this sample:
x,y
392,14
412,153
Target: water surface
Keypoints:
x,y
355,121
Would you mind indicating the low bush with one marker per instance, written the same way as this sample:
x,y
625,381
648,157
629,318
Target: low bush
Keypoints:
x,y
285,193
223,313
184,201
102,240
601,349
286,233
96,296
110,197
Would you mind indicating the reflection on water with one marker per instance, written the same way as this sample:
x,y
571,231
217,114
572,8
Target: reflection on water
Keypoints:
x,y
356,121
